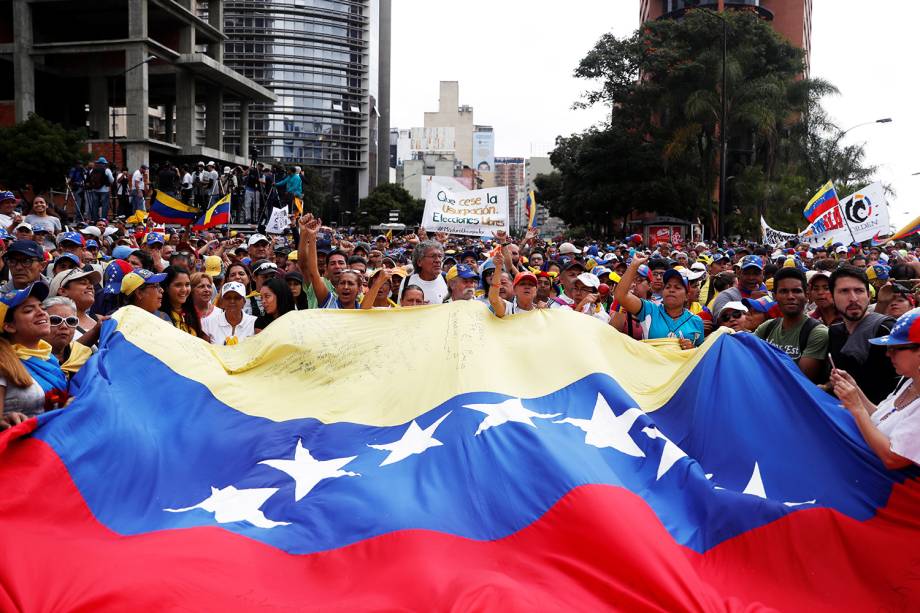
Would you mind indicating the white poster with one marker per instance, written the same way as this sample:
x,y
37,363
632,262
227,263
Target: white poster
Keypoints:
x,y
479,212
278,222
866,213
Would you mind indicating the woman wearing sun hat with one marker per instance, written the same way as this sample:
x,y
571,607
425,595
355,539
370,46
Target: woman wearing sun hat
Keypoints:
x,y
891,429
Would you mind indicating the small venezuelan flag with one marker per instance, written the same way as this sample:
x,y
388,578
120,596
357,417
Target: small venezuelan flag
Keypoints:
x,y
166,209
531,205
911,228
822,202
217,215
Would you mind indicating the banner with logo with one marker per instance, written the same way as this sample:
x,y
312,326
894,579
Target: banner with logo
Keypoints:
x,y
775,237
480,212
866,213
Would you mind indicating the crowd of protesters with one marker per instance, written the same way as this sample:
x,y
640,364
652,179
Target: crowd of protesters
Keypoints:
x,y
843,314
101,191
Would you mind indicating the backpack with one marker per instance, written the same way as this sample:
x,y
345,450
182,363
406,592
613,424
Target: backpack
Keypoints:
x,y
809,325
97,179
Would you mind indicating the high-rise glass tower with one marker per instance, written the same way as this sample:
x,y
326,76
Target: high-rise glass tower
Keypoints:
x,y
322,59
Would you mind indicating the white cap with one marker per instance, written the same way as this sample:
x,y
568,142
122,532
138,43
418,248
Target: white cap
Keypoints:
x,y
110,231
734,305
211,163
24,225
840,249
257,238
226,170
693,274
567,249
588,279
235,287
698,266
93,230
66,276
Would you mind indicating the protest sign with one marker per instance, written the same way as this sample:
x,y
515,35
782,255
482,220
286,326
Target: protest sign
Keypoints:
x,y
480,212
866,213
278,222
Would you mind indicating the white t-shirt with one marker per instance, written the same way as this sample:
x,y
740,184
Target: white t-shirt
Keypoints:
x,y
137,180
187,181
901,426
219,329
435,291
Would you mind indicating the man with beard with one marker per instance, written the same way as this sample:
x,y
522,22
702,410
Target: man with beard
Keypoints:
x,y
849,340
462,282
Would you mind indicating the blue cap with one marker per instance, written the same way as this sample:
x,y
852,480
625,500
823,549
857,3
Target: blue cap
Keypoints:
x,y
905,332
102,160
92,243
155,237
675,274
70,237
27,248
11,300
6,195
40,227
121,252
880,272
4,235
68,256
465,272
752,261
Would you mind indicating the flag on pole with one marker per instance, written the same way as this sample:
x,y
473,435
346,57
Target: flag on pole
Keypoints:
x,y
217,215
166,209
563,484
531,209
822,202
911,228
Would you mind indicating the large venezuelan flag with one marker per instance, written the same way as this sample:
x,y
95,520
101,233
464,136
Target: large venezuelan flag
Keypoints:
x,y
327,464
166,209
822,202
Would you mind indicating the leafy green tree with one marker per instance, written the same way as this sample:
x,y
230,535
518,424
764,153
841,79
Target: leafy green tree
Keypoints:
x,y
375,209
39,153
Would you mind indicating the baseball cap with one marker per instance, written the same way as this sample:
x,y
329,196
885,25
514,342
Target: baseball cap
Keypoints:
x,y
112,276
257,238
91,243
11,300
879,272
212,266
6,195
735,305
68,256
906,331
752,261
523,275
121,252
70,237
138,277
567,249
588,279
675,274
572,263
155,237
27,248
24,226
840,249
264,267
92,230
461,270
64,277
235,287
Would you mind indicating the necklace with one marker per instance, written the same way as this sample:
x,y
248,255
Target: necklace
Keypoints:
x,y
906,397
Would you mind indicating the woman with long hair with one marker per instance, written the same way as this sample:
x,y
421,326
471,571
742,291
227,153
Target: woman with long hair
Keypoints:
x,y
277,301
32,379
295,283
203,294
177,303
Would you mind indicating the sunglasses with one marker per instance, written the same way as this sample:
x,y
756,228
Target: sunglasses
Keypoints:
x,y
57,320
730,315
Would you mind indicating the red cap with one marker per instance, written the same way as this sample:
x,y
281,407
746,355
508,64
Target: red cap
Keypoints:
x,y
526,274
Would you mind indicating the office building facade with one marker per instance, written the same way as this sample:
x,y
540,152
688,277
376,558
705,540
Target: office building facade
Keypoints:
x,y
790,18
327,61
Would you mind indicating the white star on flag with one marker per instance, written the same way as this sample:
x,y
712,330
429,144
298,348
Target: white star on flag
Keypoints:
x,y
307,471
503,412
671,453
605,429
755,487
413,441
230,504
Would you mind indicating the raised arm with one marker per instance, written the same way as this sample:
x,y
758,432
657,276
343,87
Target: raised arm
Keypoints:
x,y
371,296
307,256
495,299
627,300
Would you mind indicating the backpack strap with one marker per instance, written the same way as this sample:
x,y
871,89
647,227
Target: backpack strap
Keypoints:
x,y
771,327
809,325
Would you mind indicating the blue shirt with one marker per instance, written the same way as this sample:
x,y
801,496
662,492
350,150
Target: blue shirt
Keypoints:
x,y
657,323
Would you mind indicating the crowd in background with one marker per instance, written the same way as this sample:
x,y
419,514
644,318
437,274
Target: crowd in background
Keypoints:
x,y
843,314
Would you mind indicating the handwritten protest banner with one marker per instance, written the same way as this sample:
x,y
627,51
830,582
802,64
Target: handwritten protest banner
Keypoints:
x,y
480,212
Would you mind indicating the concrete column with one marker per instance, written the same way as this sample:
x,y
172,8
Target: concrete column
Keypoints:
x,y
216,19
244,128
99,117
23,64
214,119
185,109
169,110
137,94
383,92
187,32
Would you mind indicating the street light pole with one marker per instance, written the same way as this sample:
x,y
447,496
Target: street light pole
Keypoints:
x,y
125,114
830,152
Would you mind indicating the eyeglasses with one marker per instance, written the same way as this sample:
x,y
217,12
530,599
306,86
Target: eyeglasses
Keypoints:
x,y
57,320
895,348
20,262
730,315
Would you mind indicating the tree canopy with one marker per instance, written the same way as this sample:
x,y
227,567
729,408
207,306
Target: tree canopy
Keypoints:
x,y
375,209
39,153
659,149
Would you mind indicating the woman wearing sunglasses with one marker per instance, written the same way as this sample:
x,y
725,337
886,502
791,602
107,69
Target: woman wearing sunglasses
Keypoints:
x,y
891,429
734,316
63,319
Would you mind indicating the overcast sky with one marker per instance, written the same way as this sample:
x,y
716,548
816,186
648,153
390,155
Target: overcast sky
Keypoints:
x,y
514,60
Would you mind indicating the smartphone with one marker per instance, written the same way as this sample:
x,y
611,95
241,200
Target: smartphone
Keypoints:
x,y
831,360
